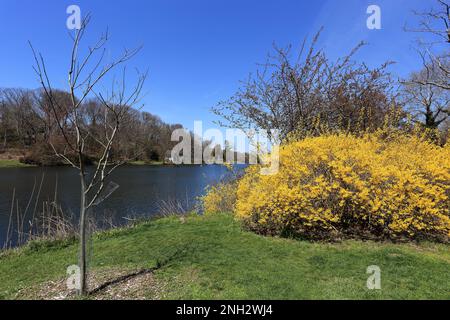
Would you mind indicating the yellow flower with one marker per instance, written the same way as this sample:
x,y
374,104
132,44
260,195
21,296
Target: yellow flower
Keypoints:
x,y
393,187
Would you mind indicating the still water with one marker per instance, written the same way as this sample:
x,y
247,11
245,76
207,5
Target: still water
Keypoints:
x,y
141,189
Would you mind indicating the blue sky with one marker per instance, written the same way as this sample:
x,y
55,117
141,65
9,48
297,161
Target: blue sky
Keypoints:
x,y
197,51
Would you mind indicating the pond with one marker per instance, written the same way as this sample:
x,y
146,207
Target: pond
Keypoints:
x,y
141,190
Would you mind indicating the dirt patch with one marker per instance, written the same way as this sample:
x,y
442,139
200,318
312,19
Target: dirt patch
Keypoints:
x,y
137,287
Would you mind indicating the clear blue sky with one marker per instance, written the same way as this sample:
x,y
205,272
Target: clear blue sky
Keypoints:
x,y
198,50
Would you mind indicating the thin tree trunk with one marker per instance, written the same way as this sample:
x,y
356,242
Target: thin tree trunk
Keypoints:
x,y
4,140
82,258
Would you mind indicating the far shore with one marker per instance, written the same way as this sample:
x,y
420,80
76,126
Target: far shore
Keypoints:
x,y
14,163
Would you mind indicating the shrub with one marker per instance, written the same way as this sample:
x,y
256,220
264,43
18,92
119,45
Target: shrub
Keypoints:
x,y
333,186
41,154
220,198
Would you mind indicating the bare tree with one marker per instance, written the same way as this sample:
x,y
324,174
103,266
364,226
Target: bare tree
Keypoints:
x,y
85,74
19,116
429,102
290,93
427,92
435,51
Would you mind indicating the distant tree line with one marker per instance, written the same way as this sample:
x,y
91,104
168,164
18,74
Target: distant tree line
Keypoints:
x,y
25,126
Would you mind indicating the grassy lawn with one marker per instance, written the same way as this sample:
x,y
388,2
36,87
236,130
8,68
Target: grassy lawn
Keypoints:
x,y
212,258
12,164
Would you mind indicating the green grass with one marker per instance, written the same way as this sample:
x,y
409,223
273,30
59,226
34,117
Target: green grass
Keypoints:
x,y
212,258
12,164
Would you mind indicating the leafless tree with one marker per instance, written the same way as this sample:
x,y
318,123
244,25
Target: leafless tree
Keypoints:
x,y
289,94
86,72
434,51
427,92
19,116
423,99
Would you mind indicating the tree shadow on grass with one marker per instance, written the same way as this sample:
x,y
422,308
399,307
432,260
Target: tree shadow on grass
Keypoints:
x,y
176,255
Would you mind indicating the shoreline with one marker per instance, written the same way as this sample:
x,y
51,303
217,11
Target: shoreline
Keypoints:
x,y
16,164
7,163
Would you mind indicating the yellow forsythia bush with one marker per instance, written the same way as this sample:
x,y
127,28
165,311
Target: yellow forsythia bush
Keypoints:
x,y
220,198
338,185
